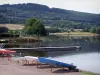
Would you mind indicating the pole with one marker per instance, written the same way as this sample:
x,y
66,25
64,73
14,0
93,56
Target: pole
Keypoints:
x,y
51,68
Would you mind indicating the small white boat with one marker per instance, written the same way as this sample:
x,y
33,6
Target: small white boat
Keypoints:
x,y
31,59
26,59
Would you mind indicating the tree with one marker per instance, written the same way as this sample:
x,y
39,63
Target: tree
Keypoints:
x,y
98,30
35,27
93,30
86,29
3,30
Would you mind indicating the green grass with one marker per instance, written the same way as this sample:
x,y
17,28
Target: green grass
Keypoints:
x,y
75,34
89,73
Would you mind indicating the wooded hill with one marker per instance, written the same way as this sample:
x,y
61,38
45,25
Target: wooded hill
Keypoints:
x,y
18,13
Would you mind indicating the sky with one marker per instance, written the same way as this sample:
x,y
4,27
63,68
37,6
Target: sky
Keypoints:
x,y
90,6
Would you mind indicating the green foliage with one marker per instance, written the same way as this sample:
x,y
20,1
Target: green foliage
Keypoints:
x,y
35,27
14,32
98,30
3,30
86,29
10,31
89,73
95,30
52,30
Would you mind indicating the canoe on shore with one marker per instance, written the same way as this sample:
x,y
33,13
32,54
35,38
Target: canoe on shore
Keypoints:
x,y
56,63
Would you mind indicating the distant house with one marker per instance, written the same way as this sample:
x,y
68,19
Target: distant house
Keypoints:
x,y
77,30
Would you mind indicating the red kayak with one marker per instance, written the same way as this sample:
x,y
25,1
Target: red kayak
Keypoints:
x,y
7,51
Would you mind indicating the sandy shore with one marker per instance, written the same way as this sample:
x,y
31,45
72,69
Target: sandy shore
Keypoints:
x,y
12,68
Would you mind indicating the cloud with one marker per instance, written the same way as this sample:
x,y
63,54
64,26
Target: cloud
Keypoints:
x,y
4,1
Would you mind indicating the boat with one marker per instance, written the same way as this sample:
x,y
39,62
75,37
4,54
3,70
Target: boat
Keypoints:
x,y
50,61
26,59
3,41
31,58
5,51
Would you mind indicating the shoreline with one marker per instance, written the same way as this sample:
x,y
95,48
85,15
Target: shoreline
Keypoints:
x,y
89,73
75,34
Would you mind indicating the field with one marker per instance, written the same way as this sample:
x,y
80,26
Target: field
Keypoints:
x,y
74,34
13,26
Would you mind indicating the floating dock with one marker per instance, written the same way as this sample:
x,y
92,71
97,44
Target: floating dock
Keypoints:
x,y
48,49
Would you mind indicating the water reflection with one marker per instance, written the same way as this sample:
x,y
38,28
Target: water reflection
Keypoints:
x,y
88,44
31,53
59,41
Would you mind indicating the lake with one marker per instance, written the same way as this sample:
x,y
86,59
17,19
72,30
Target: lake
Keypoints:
x,y
88,58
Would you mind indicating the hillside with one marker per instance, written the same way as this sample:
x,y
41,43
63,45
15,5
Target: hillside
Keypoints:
x,y
18,13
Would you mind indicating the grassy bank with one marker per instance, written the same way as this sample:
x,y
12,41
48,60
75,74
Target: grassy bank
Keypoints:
x,y
74,34
20,40
89,73
27,39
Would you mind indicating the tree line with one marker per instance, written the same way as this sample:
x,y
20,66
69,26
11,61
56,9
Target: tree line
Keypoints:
x,y
95,30
36,27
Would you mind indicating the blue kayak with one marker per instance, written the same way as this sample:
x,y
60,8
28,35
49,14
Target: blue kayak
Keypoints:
x,y
55,63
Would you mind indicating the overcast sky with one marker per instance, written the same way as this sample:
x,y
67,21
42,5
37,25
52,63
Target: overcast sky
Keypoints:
x,y
91,6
